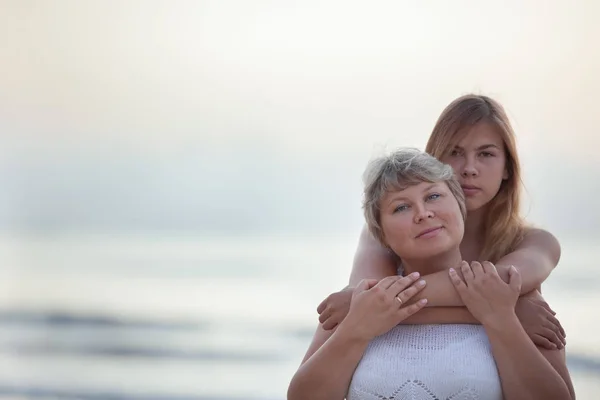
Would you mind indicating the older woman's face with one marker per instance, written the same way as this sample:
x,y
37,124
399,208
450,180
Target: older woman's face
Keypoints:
x,y
421,221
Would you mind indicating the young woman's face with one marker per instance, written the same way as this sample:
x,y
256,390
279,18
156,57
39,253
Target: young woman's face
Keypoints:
x,y
479,161
421,221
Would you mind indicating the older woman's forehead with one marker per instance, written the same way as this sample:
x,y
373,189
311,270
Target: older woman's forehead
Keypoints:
x,y
405,191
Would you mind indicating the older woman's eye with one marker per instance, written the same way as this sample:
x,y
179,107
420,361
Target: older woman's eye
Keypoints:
x,y
486,154
434,196
400,208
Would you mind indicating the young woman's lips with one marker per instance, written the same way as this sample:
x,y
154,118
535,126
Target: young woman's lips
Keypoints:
x,y
429,233
470,190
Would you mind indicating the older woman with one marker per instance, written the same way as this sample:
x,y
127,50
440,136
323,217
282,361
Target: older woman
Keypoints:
x,y
415,207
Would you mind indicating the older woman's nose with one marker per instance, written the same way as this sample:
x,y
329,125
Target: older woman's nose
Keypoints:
x,y
423,214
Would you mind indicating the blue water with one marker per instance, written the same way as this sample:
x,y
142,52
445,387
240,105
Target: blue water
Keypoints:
x,y
105,317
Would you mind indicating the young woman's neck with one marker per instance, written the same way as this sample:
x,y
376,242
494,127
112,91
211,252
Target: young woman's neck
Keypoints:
x,y
430,265
474,225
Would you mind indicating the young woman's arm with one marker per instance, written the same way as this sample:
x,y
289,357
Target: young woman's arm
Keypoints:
x,y
371,260
375,262
534,258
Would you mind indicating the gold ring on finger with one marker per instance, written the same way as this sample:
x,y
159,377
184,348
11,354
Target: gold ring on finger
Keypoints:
x,y
399,300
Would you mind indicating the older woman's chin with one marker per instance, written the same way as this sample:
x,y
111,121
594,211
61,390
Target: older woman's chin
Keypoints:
x,y
429,249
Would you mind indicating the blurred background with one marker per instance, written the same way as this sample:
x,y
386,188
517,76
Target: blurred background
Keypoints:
x,y
180,181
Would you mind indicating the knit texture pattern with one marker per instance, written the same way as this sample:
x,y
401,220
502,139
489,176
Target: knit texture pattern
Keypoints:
x,y
427,362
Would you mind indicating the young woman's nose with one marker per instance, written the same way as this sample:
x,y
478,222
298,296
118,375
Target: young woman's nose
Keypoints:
x,y
469,170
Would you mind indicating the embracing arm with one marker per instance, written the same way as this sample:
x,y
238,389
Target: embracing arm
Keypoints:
x,y
374,261
534,258
371,260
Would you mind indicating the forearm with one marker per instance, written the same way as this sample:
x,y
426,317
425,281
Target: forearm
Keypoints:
x,y
327,373
439,292
535,259
371,260
531,278
442,315
524,372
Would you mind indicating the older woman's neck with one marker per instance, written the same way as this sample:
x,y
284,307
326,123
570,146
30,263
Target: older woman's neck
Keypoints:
x,y
430,265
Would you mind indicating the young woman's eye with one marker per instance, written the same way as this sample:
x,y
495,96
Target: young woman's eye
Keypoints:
x,y
434,196
401,207
454,153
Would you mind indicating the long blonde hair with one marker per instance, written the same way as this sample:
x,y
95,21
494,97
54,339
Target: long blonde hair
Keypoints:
x,y
503,225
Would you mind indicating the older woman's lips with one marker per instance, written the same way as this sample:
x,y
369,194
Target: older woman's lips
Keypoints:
x,y
429,233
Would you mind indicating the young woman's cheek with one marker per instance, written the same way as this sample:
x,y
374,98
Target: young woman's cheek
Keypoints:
x,y
454,163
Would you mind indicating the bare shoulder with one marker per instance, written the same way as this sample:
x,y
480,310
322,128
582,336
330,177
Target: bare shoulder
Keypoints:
x,y
538,235
557,359
541,240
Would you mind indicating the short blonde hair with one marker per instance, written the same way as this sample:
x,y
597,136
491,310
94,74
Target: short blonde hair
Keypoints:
x,y
397,171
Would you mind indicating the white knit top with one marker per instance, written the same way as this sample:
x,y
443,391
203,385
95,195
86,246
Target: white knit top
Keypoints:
x,y
427,362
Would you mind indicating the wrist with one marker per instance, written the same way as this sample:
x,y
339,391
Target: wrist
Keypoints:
x,y
501,322
352,333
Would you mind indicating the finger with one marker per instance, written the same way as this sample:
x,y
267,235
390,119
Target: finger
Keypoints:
x,y
325,315
540,301
401,284
403,280
407,294
489,268
547,307
329,324
458,283
552,337
562,330
365,284
556,330
543,342
514,279
407,311
388,281
467,272
477,269
556,322
323,305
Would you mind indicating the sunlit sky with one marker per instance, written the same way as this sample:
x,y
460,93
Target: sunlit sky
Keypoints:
x,y
153,114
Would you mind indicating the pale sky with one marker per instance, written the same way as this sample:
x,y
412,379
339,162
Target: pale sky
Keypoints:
x,y
171,101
